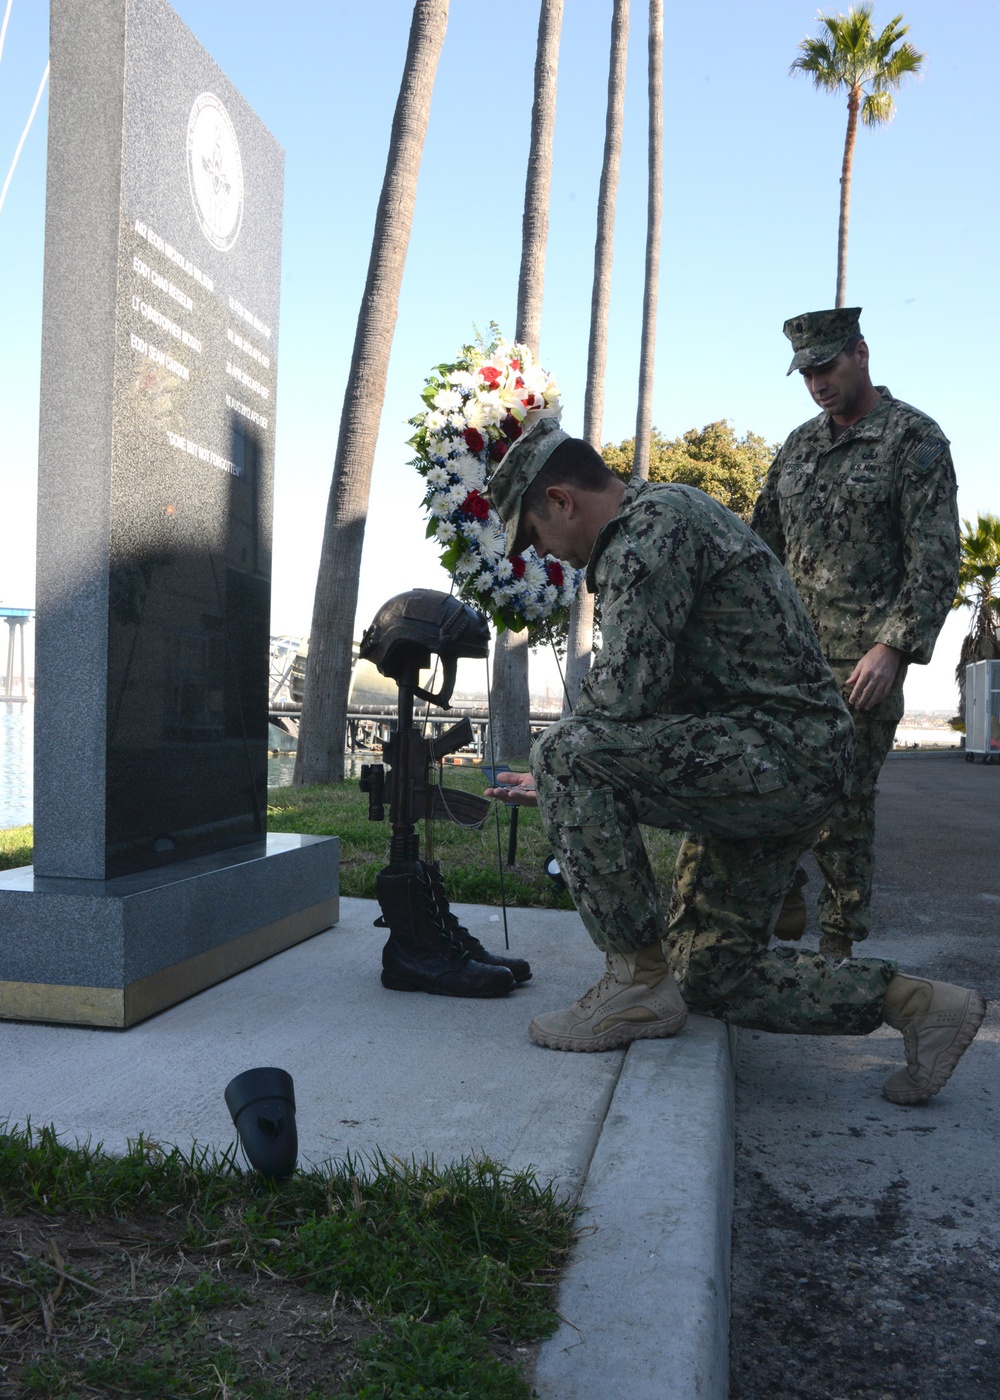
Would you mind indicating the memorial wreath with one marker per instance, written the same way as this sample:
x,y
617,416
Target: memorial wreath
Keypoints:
x,y
475,409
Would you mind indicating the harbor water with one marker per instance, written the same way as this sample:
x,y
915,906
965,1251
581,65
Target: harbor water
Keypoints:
x,y
17,730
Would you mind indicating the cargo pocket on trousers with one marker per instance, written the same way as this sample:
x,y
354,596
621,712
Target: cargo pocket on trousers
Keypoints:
x,y
737,760
591,835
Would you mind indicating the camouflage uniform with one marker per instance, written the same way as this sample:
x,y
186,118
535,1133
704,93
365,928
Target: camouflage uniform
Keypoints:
x,y
867,526
709,709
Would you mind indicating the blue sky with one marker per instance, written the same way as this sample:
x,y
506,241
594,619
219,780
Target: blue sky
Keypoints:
x,y
752,161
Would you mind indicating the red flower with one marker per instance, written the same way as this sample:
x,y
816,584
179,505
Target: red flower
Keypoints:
x,y
498,450
510,428
475,506
554,570
490,373
474,440
517,565
515,364
518,382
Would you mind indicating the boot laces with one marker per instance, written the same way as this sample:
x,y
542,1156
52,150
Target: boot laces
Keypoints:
x,y
609,981
429,897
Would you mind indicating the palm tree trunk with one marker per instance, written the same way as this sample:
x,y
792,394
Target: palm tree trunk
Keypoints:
x,y
580,642
320,757
535,223
644,413
511,736
853,105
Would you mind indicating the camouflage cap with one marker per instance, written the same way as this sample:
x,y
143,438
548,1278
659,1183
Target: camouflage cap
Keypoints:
x,y
523,462
819,336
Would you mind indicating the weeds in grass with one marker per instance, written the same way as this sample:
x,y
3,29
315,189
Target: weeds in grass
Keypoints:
x,y
161,1273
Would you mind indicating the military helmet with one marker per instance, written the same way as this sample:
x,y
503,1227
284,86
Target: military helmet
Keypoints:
x,y
409,627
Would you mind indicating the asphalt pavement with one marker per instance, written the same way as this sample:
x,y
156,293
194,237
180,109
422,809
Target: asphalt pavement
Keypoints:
x,y
867,1235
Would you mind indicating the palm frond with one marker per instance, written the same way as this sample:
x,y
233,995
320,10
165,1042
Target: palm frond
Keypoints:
x,y
878,109
851,55
816,59
899,65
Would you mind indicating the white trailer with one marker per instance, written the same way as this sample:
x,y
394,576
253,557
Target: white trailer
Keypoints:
x,y
982,711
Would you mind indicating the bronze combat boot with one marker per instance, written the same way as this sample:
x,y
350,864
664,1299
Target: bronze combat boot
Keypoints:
x,y
938,1022
636,999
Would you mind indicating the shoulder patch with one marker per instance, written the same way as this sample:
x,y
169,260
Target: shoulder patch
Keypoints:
x,y
927,452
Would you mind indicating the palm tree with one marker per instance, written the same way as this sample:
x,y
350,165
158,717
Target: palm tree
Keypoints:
x,y
511,736
654,219
580,641
320,757
979,590
853,58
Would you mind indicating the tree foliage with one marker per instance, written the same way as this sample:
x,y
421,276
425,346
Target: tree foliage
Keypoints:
x,y
854,59
713,458
979,590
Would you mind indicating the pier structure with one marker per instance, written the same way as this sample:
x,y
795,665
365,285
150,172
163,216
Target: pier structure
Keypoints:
x,y
15,618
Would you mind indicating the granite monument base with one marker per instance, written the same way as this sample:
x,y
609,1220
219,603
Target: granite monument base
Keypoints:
x,y
113,952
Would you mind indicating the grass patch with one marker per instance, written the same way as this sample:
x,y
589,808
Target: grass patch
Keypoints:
x,y
16,845
469,857
164,1274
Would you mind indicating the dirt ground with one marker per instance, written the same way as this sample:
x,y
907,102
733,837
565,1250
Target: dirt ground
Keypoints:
x,y
116,1308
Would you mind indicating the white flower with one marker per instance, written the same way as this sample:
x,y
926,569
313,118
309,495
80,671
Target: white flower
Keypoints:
x,y
456,494
471,529
484,410
445,532
572,579
435,420
550,594
447,400
469,470
437,476
493,542
535,576
462,379
504,570
440,504
481,582
440,447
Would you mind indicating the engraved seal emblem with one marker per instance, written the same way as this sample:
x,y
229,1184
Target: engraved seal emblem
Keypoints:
x,y
215,171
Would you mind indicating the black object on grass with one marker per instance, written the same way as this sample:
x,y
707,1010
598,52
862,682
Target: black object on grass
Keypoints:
x,y
262,1103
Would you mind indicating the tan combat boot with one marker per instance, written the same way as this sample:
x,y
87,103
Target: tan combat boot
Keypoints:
x,y
938,1022
636,999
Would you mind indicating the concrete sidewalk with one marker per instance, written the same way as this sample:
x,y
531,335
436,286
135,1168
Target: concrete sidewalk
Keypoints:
x,y
644,1137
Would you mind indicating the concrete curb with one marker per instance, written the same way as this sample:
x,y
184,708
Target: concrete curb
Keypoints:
x,y
646,1295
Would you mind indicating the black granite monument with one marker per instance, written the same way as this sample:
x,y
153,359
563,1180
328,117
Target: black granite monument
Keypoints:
x,y
153,873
